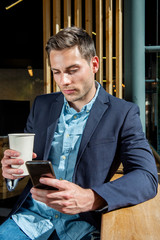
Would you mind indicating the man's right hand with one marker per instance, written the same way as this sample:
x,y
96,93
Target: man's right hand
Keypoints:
x,y
12,157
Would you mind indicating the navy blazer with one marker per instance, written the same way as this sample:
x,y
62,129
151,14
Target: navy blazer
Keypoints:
x,y
112,135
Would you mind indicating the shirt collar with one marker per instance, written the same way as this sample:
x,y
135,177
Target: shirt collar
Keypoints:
x,y
86,107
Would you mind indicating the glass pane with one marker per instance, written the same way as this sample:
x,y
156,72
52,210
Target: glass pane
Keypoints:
x,y
21,60
151,99
152,74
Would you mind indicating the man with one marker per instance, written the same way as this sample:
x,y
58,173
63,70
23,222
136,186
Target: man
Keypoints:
x,y
86,133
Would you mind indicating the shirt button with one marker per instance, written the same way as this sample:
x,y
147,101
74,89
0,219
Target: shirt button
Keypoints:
x,y
63,157
67,135
75,117
87,111
60,178
56,216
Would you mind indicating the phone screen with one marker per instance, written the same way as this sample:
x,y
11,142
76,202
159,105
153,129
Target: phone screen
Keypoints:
x,y
38,169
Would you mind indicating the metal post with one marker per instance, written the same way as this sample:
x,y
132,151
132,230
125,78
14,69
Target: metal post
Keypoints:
x,y
134,53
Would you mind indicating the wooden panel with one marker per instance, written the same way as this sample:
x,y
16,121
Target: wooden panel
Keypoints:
x,y
140,222
46,35
119,48
109,40
78,13
56,28
67,13
99,39
56,16
88,16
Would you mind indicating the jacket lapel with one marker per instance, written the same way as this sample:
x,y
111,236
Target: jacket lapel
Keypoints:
x,y
99,108
54,115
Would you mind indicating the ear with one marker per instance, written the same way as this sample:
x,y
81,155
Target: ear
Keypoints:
x,y
95,64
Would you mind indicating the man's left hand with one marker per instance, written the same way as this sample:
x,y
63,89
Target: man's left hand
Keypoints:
x,y
69,199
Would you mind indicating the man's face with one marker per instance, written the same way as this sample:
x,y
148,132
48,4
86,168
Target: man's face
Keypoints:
x,y
74,75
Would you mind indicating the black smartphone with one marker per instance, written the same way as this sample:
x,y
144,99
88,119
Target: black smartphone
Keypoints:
x,y
38,169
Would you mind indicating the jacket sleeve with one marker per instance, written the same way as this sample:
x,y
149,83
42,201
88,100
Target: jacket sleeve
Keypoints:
x,y
139,182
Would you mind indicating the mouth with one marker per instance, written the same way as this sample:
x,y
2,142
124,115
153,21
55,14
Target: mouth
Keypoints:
x,y
68,91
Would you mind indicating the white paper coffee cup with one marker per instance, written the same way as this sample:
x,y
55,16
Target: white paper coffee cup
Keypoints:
x,y
23,143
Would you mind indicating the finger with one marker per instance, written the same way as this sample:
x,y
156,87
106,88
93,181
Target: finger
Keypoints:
x,y
45,200
12,171
11,153
12,161
39,198
34,155
11,176
39,192
43,194
59,184
8,172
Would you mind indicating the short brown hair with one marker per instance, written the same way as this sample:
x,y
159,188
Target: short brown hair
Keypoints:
x,y
70,37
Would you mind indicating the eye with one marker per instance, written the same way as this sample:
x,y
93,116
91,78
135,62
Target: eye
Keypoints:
x,y
72,71
55,72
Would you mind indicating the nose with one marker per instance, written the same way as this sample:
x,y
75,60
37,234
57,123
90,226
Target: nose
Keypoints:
x,y
65,79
